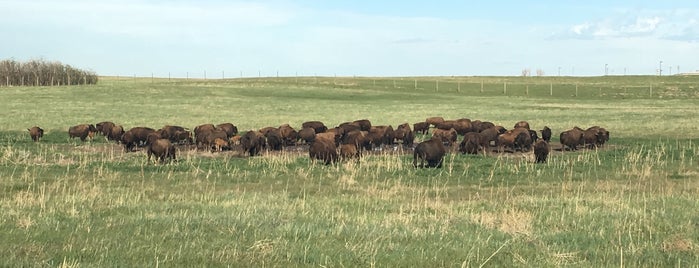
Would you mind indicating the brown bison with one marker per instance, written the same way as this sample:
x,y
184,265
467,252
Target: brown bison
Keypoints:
x,y
434,121
522,124
491,135
176,134
289,134
136,136
201,129
36,133
364,124
595,136
380,135
404,134
207,139
252,142
161,148
431,151
518,138
307,134
318,126
274,139
546,134
572,138
105,128
471,143
358,139
421,127
82,131
230,129
220,144
541,151
116,133
348,151
324,150
447,136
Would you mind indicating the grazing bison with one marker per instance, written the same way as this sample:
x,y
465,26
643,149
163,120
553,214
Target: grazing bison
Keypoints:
x,y
161,148
380,135
522,124
324,150
176,134
572,138
252,142
401,130
105,128
595,136
471,143
349,126
348,151
541,151
307,134
36,133
207,139
431,151
358,139
318,126
219,145
364,124
447,136
289,134
546,134
82,131
201,129
230,129
136,136
518,138
421,127
434,121
274,139
491,135
116,133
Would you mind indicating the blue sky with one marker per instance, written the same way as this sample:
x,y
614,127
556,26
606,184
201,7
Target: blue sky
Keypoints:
x,y
345,38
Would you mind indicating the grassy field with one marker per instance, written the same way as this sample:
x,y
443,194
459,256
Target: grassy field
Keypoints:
x,y
72,204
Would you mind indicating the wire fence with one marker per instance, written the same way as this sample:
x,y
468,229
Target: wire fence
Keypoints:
x,y
583,87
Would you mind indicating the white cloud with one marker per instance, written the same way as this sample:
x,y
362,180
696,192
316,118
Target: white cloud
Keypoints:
x,y
679,24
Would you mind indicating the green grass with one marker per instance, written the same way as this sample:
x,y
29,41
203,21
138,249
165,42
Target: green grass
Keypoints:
x,y
65,203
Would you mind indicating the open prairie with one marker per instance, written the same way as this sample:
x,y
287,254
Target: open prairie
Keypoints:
x,y
631,203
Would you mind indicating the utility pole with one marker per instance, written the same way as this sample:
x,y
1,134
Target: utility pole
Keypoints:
x,y
660,69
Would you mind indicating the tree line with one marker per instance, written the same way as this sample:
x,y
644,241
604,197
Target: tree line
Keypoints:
x,y
43,73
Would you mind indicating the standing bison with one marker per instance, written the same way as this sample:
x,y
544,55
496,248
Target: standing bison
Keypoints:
x,y
252,142
161,148
471,143
546,134
324,150
318,126
421,127
572,138
136,136
105,128
36,133
541,151
82,131
431,151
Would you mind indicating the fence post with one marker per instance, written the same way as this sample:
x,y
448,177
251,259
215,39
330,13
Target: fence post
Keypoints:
x,y
481,86
576,90
651,90
436,87
458,86
415,83
504,88
527,92
551,90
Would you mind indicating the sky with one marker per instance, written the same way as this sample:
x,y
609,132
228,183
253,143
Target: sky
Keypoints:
x,y
220,38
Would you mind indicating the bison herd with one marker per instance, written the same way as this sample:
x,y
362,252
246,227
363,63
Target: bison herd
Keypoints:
x,y
347,140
